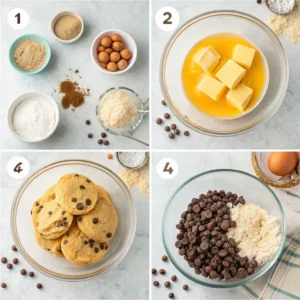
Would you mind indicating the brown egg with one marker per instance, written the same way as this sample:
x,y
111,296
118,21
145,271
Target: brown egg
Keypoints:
x,y
117,46
100,48
125,53
106,42
116,37
122,64
115,57
112,67
103,57
109,50
282,163
104,65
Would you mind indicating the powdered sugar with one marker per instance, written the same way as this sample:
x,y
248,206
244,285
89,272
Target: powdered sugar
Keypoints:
x,y
34,118
281,6
132,159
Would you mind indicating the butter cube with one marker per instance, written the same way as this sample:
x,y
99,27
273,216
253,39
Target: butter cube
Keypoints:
x,y
207,58
231,74
212,87
243,55
240,96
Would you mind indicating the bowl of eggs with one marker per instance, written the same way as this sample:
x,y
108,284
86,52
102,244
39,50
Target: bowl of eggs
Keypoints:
x,y
114,51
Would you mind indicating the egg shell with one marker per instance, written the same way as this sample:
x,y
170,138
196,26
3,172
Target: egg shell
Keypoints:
x,y
125,53
106,42
282,163
118,46
103,57
112,67
115,57
122,64
116,37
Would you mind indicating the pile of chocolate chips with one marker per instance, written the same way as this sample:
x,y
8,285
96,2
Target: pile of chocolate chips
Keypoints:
x,y
203,241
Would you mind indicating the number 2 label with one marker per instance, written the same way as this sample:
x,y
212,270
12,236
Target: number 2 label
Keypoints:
x,y
167,18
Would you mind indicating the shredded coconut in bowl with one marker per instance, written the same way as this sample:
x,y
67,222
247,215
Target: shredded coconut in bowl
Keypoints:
x,y
257,233
117,110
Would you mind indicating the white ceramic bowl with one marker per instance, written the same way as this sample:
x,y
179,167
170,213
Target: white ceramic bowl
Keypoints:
x,y
128,42
67,13
23,97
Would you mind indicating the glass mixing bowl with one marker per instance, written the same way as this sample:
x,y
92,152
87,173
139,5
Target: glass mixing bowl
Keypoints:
x,y
222,21
57,267
238,182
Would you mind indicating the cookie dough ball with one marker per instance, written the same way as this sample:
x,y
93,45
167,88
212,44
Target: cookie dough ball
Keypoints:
x,y
106,42
76,194
116,37
122,64
79,249
117,46
103,57
125,53
115,57
102,222
112,67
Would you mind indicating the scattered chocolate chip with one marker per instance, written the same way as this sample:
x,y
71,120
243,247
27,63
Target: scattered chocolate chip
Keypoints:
x,y
105,142
95,220
258,1
158,121
186,133
109,235
100,142
177,131
167,284
87,122
49,212
171,295
4,260
88,202
154,271
155,283
23,272
167,128
96,250
164,258
31,274
103,134
79,219
162,271
185,287
90,135
3,285
15,261
167,116
173,126
74,199
171,136
174,278
39,286
80,206
82,187
14,248
9,266
163,102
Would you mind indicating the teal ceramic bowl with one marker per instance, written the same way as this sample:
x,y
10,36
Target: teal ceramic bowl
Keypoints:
x,y
34,37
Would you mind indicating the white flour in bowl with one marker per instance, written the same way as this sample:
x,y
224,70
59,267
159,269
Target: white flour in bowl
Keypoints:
x,y
34,118
281,6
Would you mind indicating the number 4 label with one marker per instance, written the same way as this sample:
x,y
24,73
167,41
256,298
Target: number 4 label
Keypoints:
x,y
167,18
167,168
18,167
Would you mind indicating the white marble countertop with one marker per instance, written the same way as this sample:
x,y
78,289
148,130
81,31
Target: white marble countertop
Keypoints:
x,y
197,163
129,280
130,16
281,131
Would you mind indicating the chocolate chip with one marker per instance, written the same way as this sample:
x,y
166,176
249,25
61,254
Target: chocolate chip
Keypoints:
x,y
65,219
39,286
162,271
4,260
95,220
74,199
163,102
171,136
76,175
164,258
186,133
174,278
167,128
154,271
177,131
15,261
80,206
65,224
109,235
103,134
63,212
167,116
88,202
167,284
173,126
59,224
106,247
31,274
158,121
155,283
185,287
171,295
85,242
37,203
49,212
258,1
87,122
14,248
9,266
105,142
96,250
88,180
90,135
82,187
79,219
100,142
65,242
23,272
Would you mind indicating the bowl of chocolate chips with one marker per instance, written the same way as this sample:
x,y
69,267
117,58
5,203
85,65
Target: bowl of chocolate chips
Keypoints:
x,y
223,228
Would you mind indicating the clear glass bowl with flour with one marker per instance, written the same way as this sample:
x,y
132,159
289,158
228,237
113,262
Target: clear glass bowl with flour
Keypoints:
x,y
120,110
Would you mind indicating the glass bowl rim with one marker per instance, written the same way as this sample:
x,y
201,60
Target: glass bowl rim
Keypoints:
x,y
242,282
136,124
44,270
169,45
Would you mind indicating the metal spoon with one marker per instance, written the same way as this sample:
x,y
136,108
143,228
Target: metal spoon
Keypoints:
x,y
285,13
